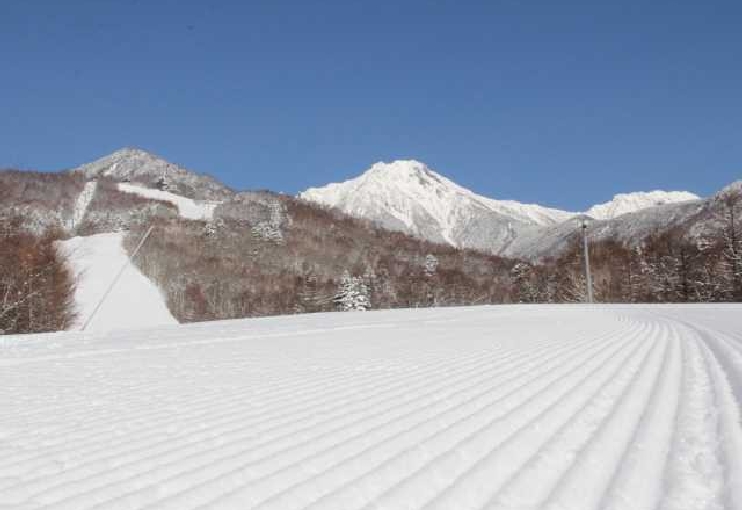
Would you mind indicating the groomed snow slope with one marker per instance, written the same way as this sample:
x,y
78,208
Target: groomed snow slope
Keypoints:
x,y
134,300
494,407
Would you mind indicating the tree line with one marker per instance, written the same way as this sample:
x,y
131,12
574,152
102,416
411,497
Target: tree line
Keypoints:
x,y
36,285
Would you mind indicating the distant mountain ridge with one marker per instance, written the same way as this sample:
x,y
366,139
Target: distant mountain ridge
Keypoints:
x,y
409,196
405,196
624,203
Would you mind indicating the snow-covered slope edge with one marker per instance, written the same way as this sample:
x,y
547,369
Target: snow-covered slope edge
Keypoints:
x,y
134,302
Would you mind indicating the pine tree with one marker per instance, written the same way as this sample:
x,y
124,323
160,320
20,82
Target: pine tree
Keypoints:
x,y
352,294
431,280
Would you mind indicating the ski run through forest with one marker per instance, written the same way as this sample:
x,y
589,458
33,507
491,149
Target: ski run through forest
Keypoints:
x,y
509,407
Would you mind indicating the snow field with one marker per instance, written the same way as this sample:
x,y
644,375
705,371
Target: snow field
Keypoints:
x,y
187,208
133,302
559,407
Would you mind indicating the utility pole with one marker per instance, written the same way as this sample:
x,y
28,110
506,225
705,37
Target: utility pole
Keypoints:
x,y
116,278
588,276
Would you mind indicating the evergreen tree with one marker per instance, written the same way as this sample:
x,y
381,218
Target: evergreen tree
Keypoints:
x,y
352,294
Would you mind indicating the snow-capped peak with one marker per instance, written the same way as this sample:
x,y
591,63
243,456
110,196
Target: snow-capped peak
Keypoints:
x,y
624,203
402,169
408,195
125,162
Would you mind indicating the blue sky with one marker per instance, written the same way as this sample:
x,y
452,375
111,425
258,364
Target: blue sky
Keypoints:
x,y
560,103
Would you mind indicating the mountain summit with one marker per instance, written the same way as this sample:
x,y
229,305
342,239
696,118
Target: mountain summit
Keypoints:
x,y
408,196
137,165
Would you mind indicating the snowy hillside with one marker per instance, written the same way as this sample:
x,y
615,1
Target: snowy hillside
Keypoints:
x,y
536,407
409,196
134,301
631,228
624,203
187,208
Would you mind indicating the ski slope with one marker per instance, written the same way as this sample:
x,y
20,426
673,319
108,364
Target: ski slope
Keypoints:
x,y
187,208
513,407
83,202
133,301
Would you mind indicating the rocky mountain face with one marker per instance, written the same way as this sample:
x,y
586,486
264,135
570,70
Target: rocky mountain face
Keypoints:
x,y
410,197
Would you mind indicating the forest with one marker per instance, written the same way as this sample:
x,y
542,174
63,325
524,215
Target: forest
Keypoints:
x,y
36,285
269,254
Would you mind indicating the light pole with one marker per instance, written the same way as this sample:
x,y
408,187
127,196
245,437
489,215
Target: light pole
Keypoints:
x,y
588,277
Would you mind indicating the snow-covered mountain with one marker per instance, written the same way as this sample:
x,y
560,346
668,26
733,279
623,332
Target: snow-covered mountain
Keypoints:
x,y
409,196
137,165
630,228
624,203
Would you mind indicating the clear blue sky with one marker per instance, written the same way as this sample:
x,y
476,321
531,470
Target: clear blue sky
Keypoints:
x,y
561,103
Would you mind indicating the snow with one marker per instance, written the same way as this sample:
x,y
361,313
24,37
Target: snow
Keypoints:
x,y
187,208
134,300
408,184
409,196
527,407
624,203
414,198
82,202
